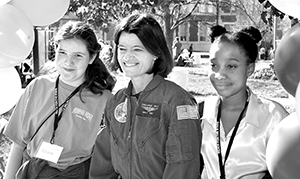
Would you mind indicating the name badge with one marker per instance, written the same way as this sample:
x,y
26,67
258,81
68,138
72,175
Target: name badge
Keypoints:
x,y
49,152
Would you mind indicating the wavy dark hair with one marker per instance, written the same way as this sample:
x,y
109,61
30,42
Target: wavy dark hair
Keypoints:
x,y
150,33
97,76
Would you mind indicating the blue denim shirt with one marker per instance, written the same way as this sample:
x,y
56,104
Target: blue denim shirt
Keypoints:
x,y
154,136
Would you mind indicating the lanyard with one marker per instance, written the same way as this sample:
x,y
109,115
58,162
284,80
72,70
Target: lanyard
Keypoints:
x,y
221,165
57,116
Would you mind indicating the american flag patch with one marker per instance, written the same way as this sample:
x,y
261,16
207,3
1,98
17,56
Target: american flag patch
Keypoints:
x,y
187,112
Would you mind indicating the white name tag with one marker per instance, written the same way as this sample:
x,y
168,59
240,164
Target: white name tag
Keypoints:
x,y
49,152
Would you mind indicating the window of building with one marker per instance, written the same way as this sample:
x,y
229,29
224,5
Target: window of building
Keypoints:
x,y
226,6
202,8
182,32
210,8
193,31
203,33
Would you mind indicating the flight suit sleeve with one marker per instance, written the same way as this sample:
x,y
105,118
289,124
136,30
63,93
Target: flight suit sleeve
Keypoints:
x,y
184,141
101,166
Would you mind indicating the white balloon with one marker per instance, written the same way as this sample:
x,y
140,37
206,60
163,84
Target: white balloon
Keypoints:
x,y
297,97
283,149
7,62
16,35
42,12
2,2
10,90
289,7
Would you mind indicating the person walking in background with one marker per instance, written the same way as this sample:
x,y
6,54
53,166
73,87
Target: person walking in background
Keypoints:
x,y
271,53
191,51
176,48
262,53
152,126
55,123
236,124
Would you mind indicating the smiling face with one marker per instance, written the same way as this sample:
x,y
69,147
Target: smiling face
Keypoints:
x,y
229,69
72,59
133,57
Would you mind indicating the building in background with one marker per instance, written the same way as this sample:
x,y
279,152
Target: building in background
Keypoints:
x,y
196,31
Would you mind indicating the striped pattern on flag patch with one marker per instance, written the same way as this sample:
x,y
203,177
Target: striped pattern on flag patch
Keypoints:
x,y
187,112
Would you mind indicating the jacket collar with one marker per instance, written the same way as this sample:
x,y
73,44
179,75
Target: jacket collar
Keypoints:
x,y
251,116
157,79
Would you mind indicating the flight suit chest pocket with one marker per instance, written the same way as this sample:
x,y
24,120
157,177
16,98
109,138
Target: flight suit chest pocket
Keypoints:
x,y
148,121
120,143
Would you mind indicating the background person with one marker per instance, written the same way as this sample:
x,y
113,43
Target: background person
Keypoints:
x,y
81,88
237,124
176,48
152,125
184,59
191,51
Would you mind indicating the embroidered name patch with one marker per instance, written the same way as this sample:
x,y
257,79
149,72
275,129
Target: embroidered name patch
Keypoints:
x,y
187,112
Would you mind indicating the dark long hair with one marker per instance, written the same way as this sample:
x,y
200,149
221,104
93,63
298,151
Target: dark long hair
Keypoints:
x,y
97,76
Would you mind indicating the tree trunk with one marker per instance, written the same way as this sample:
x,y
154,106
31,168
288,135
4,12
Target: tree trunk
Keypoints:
x,y
168,31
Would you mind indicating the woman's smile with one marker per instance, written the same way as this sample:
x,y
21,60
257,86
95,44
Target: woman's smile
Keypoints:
x,y
130,64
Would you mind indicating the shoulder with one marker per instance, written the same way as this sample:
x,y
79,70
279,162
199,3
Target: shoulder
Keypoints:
x,y
107,94
42,82
101,97
174,88
269,104
120,93
118,96
47,78
266,110
174,92
209,106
